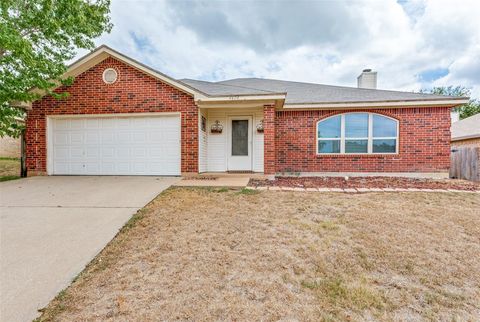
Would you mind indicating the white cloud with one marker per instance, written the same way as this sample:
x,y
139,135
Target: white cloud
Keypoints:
x,y
317,41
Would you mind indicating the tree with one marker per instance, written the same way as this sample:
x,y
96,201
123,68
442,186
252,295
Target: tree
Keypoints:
x,y
37,37
466,110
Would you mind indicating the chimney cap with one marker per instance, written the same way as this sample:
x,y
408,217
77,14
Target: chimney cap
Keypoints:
x,y
367,70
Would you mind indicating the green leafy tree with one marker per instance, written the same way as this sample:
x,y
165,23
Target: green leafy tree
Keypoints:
x,y
466,110
37,37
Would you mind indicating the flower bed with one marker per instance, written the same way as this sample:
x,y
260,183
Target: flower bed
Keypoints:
x,y
366,182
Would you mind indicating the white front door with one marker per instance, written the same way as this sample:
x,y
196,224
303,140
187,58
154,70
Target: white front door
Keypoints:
x,y
239,143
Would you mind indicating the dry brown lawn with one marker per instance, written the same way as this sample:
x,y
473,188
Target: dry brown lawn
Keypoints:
x,y
209,255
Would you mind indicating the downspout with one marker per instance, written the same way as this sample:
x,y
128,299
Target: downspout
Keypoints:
x,y
23,155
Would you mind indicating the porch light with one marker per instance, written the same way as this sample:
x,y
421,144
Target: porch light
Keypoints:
x,y
260,127
216,127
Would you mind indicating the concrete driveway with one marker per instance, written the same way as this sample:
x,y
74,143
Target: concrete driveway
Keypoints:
x,y
51,227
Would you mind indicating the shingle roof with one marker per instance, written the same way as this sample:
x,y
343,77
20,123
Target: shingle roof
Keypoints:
x,y
306,93
466,128
220,89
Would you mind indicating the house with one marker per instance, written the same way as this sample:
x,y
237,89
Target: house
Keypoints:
x,y
125,118
466,131
465,157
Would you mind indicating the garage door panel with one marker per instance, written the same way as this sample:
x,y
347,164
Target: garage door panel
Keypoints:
x,y
62,152
155,152
123,166
75,124
92,123
123,123
61,125
92,137
155,136
139,153
123,152
123,137
108,167
76,153
107,137
140,122
139,137
146,145
61,138
92,167
61,167
76,137
108,152
108,123
139,167
76,168
92,152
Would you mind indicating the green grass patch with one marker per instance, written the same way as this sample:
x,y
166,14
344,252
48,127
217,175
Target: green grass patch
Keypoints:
x,y
338,292
61,298
247,191
8,178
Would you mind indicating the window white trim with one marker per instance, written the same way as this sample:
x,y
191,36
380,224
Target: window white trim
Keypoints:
x,y
370,137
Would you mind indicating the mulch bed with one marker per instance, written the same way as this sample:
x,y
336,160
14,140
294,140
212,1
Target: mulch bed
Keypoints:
x,y
366,182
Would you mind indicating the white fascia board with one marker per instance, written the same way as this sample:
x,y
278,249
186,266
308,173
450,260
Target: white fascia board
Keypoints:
x,y
396,104
465,137
241,98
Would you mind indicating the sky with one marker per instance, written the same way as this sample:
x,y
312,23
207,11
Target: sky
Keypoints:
x,y
412,45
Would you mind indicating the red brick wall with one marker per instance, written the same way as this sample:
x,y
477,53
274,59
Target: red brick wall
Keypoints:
x,y
133,92
424,143
269,139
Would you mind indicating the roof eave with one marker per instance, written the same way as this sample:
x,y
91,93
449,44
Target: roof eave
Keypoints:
x,y
243,97
376,104
241,102
465,137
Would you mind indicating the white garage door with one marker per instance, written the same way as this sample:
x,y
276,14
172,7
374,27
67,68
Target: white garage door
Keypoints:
x,y
143,145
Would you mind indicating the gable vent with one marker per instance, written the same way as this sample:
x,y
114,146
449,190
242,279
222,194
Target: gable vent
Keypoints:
x,y
110,76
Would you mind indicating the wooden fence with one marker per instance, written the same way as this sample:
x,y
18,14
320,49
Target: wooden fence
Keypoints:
x,y
465,163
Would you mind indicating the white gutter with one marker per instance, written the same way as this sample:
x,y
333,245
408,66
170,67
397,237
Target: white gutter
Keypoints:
x,y
396,104
240,98
466,137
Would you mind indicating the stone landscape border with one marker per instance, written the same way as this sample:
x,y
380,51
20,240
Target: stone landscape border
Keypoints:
x,y
355,190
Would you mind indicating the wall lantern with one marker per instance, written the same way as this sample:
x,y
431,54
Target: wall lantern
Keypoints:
x,y
216,127
260,127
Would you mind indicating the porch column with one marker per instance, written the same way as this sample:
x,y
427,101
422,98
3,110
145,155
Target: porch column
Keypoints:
x,y
269,159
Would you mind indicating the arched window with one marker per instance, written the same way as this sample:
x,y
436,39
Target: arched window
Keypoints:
x,y
357,133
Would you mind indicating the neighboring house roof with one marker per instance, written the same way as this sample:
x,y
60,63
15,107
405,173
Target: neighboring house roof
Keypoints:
x,y
310,93
468,128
